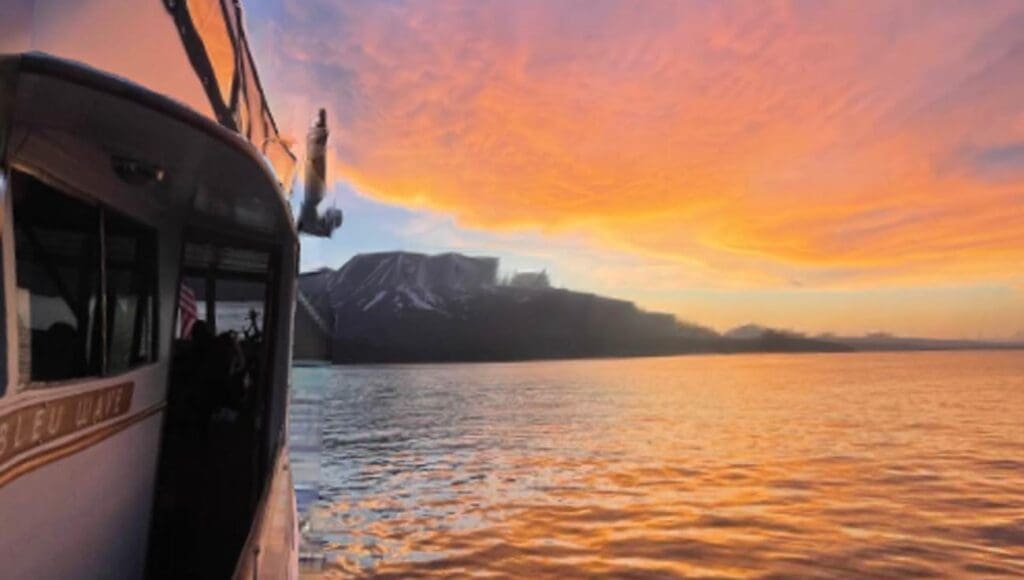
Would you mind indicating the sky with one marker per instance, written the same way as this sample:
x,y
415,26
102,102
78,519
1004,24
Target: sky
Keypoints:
x,y
841,167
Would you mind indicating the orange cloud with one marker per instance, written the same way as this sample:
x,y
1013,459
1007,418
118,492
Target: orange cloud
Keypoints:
x,y
774,143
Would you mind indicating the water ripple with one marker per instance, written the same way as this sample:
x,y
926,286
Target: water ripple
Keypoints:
x,y
882,465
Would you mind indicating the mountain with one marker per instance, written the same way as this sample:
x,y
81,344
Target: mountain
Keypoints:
x,y
748,332
399,306
396,283
404,306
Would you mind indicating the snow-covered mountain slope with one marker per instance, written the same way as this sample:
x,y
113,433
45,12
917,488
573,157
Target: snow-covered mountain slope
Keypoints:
x,y
397,281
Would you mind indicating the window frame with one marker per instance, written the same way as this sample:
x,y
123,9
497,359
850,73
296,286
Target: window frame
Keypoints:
x,y
154,286
7,375
10,285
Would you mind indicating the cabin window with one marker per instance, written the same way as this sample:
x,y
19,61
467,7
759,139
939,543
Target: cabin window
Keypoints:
x,y
225,287
56,245
238,305
62,246
131,258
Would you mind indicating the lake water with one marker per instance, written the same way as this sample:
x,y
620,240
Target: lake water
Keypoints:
x,y
896,464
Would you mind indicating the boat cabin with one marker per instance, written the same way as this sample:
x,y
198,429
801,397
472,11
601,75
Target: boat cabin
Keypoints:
x,y
148,259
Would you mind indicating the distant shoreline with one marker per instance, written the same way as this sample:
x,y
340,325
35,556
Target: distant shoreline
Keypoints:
x,y
407,307
741,350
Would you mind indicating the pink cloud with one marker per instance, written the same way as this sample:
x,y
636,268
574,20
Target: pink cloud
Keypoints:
x,y
832,143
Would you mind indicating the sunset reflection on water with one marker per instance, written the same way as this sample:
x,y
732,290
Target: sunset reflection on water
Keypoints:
x,y
886,464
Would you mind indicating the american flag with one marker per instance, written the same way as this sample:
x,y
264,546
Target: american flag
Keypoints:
x,y
187,311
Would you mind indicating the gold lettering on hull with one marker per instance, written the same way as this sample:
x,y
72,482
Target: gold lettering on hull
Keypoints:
x,y
34,425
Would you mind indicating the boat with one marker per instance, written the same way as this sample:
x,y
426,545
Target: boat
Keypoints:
x,y
149,256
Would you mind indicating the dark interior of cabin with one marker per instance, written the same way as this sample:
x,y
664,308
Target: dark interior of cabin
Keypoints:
x,y
213,458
